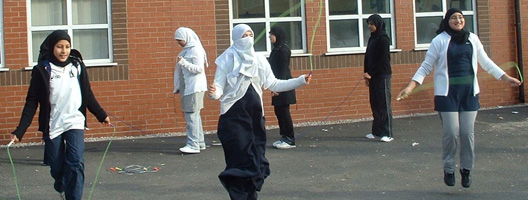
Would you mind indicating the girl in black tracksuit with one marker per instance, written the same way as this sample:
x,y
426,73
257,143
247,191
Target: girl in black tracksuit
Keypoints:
x,y
280,65
377,74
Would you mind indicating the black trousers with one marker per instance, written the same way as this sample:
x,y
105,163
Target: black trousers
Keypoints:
x,y
285,121
243,135
380,103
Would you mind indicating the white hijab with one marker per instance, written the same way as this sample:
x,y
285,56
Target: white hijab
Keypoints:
x,y
240,55
192,41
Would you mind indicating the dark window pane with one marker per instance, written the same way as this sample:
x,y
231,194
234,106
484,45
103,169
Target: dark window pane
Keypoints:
x,y
282,8
428,5
376,6
461,4
294,34
342,7
344,33
426,28
248,9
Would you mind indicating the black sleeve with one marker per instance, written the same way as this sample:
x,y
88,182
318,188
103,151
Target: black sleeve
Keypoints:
x,y
382,54
32,101
91,102
283,64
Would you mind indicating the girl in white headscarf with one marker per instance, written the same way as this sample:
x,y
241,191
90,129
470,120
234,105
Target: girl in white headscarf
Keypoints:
x,y
240,76
190,81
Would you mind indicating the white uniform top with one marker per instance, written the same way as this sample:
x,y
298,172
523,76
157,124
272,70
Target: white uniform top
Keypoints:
x,y
65,100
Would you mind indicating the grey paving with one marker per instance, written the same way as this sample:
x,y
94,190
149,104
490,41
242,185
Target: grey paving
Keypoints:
x,y
330,162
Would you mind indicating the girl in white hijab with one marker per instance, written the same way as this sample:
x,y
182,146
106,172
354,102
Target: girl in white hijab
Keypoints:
x,y
190,81
240,76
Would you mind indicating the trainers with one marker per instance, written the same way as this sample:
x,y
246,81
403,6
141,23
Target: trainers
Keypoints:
x,y
284,145
386,139
370,136
203,147
187,149
449,179
466,178
277,142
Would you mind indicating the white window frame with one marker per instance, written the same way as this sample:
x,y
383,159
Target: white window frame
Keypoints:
x,y
70,27
361,19
268,21
425,46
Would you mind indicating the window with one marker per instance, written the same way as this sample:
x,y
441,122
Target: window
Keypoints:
x,y
429,14
261,15
87,23
347,23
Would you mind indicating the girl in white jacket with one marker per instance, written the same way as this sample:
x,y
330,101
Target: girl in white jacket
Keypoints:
x,y
190,81
453,55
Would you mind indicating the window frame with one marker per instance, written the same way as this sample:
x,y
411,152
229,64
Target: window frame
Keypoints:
x,y
361,20
70,27
267,20
425,46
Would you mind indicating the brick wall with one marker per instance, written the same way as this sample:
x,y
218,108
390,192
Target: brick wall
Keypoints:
x,y
137,93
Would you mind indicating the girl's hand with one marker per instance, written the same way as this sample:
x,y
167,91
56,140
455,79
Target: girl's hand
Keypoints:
x,y
106,121
512,81
211,89
308,78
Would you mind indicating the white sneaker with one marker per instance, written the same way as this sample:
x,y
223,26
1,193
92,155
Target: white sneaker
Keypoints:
x,y
187,149
202,148
284,145
277,143
370,136
386,139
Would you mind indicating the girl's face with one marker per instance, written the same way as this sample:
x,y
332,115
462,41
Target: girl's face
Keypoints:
x,y
182,43
372,27
457,21
61,50
272,38
247,34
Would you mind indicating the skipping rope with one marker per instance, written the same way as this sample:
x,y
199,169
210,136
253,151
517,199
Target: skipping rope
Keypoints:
x,y
101,164
13,167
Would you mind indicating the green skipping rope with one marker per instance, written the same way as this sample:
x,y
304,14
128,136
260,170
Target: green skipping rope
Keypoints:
x,y
101,164
13,167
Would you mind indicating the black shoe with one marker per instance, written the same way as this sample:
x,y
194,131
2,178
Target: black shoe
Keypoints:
x,y
449,179
466,178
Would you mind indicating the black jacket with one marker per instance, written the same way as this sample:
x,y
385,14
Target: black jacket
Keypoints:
x,y
280,65
39,94
377,57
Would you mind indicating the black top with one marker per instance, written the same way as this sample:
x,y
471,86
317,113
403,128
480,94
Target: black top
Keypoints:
x,y
279,60
377,56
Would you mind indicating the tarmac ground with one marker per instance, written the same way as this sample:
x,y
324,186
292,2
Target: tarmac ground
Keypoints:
x,y
332,161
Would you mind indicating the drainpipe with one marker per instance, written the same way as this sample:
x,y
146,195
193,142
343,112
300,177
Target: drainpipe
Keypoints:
x,y
519,47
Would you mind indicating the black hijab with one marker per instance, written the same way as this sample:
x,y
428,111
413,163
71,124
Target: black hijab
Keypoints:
x,y
46,48
280,35
458,36
379,23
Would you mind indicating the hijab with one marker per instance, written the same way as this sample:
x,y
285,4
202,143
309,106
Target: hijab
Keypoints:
x,y
192,42
46,48
458,36
240,55
280,36
380,25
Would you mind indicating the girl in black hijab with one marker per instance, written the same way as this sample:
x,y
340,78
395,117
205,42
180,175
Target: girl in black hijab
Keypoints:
x,y
59,86
280,65
453,56
377,75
